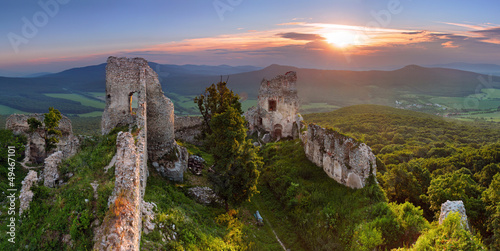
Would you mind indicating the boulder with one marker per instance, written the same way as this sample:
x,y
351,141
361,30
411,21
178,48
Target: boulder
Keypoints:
x,y
453,206
204,195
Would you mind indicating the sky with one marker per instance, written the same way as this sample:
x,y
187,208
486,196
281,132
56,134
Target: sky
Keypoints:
x,y
54,35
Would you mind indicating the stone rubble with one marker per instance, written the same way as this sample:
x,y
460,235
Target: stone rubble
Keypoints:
x,y
196,164
148,216
204,195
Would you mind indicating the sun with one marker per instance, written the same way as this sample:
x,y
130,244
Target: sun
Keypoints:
x,y
341,38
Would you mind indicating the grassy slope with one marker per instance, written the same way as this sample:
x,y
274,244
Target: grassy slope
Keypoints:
x,y
57,212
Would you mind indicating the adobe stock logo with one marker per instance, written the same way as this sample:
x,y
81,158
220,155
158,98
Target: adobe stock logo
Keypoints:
x,y
222,6
29,28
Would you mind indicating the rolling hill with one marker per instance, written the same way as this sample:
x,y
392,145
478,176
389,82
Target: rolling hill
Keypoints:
x,y
335,87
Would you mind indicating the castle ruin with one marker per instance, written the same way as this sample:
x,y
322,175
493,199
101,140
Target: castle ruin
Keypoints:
x,y
342,158
278,106
134,97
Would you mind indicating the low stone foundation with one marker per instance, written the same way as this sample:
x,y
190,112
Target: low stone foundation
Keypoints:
x,y
348,162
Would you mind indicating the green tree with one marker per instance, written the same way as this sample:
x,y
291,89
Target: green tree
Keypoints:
x,y
51,121
366,237
49,132
216,100
458,186
449,236
491,198
411,221
236,160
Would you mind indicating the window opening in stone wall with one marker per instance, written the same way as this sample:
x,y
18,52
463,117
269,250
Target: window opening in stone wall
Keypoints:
x,y
133,102
272,105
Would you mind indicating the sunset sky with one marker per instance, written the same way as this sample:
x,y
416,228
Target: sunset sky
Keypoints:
x,y
53,35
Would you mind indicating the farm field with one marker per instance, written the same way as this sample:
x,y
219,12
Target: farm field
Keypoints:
x,y
78,98
317,107
5,110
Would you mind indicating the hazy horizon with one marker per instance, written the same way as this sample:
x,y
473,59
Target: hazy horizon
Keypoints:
x,y
55,35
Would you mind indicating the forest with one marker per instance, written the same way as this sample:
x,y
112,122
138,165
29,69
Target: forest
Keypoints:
x,y
426,160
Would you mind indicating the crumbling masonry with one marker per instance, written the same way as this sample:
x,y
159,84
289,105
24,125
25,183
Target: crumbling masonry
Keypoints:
x,y
278,106
150,119
342,158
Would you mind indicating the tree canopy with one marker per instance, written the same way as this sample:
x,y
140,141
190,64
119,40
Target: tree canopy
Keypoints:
x,y
236,159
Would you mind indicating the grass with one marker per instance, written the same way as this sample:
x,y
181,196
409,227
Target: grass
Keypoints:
x,y
248,103
317,107
97,94
5,110
321,213
90,114
78,98
71,208
493,116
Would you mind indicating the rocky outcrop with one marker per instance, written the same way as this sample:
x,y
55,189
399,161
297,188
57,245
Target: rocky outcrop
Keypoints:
x,y
68,143
187,128
453,206
26,195
348,162
174,166
277,108
51,169
204,195
121,228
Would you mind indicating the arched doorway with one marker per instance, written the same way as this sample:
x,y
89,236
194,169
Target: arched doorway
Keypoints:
x,y
278,129
295,131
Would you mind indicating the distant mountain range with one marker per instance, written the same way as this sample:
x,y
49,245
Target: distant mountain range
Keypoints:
x,y
486,69
331,86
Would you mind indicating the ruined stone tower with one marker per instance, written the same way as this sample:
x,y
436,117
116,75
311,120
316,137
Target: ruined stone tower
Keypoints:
x,y
134,98
278,106
127,79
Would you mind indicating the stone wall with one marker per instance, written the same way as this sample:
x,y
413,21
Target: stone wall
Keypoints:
x,y
187,128
68,143
278,106
26,195
151,137
51,169
348,162
121,227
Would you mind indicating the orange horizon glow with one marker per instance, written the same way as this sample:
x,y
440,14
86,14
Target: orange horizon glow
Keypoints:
x,y
332,38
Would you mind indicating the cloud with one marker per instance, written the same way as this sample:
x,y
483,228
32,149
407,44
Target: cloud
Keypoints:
x,y
492,32
300,36
449,44
469,26
412,32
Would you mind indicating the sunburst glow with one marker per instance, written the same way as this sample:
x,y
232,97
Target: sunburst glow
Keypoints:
x,y
341,38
